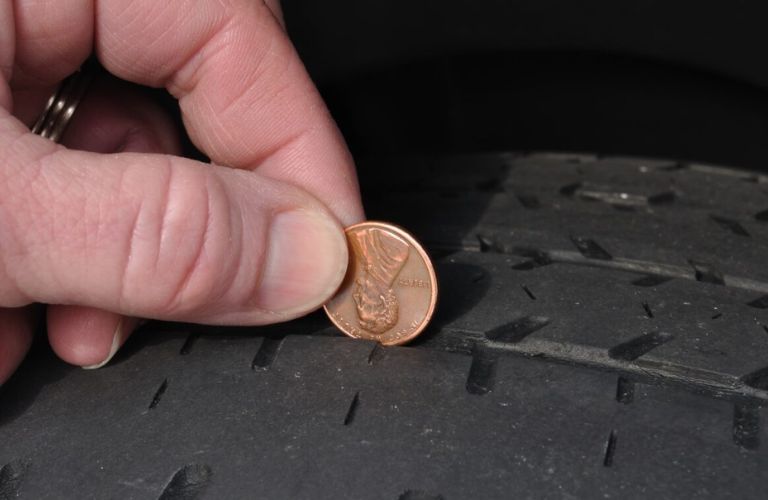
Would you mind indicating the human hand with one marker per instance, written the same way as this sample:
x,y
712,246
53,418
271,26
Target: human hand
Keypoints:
x,y
124,229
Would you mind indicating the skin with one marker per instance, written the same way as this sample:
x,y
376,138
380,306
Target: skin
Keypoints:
x,y
112,225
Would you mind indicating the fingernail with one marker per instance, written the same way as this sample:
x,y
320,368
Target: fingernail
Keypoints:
x,y
306,261
117,341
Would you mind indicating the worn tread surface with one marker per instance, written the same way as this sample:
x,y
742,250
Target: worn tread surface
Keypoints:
x,y
602,331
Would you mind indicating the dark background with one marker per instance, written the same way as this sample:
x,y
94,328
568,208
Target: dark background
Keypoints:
x,y
680,79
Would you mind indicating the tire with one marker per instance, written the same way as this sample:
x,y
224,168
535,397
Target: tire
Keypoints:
x,y
602,331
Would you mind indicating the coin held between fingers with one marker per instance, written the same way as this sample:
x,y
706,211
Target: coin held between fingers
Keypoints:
x,y
390,289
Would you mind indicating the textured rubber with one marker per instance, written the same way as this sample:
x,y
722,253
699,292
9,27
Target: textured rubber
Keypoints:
x,y
602,331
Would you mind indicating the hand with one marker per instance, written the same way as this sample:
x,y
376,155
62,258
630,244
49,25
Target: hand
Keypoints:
x,y
122,228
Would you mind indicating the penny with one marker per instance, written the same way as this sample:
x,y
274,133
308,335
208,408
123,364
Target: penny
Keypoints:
x,y
390,289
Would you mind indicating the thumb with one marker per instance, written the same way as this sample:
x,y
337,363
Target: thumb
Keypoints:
x,y
159,236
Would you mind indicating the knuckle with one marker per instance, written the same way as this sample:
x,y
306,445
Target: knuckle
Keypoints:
x,y
186,254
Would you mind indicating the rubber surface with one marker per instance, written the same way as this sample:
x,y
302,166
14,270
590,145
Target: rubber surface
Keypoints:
x,y
602,331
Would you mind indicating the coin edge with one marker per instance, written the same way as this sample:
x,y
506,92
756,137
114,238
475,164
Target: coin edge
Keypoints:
x,y
430,267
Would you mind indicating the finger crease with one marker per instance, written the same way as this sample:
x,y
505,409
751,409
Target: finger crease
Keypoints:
x,y
174,83
129,256
166,215
195,263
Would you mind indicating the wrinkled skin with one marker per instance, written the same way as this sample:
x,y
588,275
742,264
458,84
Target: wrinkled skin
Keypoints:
x,y
112,225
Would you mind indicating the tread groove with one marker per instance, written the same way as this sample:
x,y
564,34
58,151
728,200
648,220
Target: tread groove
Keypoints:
x,y
352,410
188,344
639,346
664,198
528,292
570,189
625,390
707,273
758,379
703,272
731,225
651,280
648,310
158,395
517,330
746,425
537,258
610,449
482,373
486,244
695,380
267,352
187,483
590,249
759,303
376,353
11,475
530,202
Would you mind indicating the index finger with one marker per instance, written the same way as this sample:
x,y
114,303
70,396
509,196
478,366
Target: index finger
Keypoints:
x,y
246,98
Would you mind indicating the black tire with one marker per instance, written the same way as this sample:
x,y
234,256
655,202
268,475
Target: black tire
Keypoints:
x,y
602,332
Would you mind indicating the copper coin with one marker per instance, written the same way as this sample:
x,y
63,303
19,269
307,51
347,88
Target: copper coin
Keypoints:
x,y
390,290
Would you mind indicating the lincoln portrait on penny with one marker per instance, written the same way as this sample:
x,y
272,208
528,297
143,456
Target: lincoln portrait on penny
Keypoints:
x,y
382,256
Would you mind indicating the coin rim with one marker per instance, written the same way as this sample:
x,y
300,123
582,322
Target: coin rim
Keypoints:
x,y
430,267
